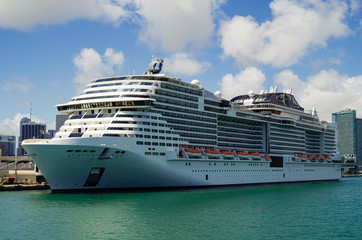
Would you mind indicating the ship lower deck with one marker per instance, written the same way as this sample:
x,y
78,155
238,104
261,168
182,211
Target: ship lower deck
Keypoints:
x,y
81,167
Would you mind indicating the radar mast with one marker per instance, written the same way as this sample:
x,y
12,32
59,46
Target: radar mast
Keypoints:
x,y
155,66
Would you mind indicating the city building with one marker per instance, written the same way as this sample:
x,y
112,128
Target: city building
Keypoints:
x,y
349,133
7,145
19,149
29,130
51,133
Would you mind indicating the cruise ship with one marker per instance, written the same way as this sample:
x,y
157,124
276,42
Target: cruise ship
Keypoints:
x,y
153,131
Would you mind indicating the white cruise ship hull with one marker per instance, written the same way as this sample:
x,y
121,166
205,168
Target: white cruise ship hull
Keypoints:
x,y
106,163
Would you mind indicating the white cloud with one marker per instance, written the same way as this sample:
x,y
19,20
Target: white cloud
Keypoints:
x,y
250,79
328,91
167,25
25,14
182,64
112,58
174,25
18,84
355,6
296,28
91,65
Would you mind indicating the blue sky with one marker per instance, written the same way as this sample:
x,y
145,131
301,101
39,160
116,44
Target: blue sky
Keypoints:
x,y
49,50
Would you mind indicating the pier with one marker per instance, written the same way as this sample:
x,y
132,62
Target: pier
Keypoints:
x,y
18,187
20,173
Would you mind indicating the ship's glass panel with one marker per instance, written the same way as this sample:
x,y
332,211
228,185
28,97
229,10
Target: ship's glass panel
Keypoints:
x,y
128,90
94,177
99,97
184,110
181,89
102,91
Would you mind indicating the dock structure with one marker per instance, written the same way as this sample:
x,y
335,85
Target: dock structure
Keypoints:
x,y
19,170
20,187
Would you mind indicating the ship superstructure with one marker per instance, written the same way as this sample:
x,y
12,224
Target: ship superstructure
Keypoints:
x,y
154,131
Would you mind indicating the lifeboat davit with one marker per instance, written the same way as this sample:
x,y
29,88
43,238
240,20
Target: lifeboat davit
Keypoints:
x,y
243,155
212,153
227,154
193,152
255,155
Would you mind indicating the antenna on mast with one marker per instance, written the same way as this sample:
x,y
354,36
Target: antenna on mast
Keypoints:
x,y
31,106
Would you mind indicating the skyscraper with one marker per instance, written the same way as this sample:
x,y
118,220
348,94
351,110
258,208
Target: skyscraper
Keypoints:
x,y
359,140
29,130
349,133
20,150
7,145
23,121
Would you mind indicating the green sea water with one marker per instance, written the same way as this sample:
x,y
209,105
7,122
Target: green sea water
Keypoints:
x,y
299,211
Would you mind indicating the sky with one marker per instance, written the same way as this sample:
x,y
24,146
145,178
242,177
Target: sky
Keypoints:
x,y
50,50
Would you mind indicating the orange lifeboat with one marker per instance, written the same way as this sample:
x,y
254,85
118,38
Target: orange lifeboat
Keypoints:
x,y
312,158
254,155
267,158
320,158
227,154
243,155
328,158
193,152
212,153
